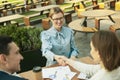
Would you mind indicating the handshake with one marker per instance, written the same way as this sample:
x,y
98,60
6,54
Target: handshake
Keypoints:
x,y
62,60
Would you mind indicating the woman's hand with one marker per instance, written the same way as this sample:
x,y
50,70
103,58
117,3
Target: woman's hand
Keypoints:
x,y
60,60
73,58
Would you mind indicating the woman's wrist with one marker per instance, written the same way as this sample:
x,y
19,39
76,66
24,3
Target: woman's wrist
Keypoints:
x,y
55,57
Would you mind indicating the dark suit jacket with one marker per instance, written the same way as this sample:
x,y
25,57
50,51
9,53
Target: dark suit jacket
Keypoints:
x,y
6,76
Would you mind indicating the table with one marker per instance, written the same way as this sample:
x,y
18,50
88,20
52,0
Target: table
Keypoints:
x,y
10,17
76,1
76,25
42,9
6,5
31,76
97,13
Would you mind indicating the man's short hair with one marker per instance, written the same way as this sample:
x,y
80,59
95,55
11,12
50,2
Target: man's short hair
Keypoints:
x,y
4,42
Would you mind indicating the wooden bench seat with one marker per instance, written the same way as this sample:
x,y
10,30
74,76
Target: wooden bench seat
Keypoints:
x,y
98,19
114,27
18,9
92,7
45,3
46,23
109,3
36,14
69,9
84,29
4,12
76,26
68,17
89,4
14,10
27,18
73,10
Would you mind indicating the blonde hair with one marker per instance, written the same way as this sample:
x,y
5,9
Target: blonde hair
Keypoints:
x,y
55,11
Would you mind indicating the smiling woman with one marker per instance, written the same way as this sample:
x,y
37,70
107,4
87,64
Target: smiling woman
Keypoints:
x,y
58,40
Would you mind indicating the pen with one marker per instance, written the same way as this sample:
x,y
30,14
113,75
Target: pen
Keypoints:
x,y
53,76
55,73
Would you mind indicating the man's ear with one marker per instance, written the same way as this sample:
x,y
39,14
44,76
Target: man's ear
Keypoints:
x,y
2,58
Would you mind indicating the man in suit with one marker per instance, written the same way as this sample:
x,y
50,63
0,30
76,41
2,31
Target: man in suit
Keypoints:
x,y
10,58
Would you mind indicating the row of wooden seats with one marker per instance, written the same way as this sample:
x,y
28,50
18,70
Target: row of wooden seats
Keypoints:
x,y
17,9
77,6
27,18
84,9
21,8
9,23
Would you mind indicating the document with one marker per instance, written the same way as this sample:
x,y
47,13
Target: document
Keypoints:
x,y
58,73
82,76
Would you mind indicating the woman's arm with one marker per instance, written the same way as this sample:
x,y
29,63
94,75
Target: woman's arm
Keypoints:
x,y
46,46
46,50
88,69
74,50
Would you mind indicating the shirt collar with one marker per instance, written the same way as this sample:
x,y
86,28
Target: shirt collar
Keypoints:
x,y
55,32
5,72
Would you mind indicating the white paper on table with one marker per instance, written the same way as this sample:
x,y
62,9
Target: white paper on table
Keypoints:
x,y
82,76
61,72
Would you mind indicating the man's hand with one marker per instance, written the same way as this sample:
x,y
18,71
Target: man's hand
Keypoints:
x,y
73,58
60,60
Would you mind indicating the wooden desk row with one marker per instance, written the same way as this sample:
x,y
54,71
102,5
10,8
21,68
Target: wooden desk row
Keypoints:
x,y
41,12
27,18
9,18
68,17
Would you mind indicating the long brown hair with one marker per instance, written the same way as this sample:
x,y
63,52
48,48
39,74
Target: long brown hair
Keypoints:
x,y
108,45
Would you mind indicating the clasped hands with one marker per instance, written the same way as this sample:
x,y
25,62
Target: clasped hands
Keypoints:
x,y
62,60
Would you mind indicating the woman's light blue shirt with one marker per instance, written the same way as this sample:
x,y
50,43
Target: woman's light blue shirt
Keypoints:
x,y
59,43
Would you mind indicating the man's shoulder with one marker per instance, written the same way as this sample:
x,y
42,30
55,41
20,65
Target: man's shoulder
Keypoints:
x,y
5,76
